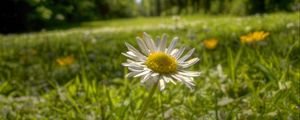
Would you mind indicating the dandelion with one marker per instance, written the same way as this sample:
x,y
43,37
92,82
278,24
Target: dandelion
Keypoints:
x,y
259,36
246,39
159,64
210,43
65,60
254,37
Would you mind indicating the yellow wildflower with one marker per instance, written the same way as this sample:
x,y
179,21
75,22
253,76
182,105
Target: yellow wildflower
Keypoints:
x,y
246,39
65,60
253,37
210,43
258,36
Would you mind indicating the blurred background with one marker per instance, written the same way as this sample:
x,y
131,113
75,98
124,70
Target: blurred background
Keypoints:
x,y
61,59
34,15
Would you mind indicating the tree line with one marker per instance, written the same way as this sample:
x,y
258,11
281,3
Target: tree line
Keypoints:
x,y
28,15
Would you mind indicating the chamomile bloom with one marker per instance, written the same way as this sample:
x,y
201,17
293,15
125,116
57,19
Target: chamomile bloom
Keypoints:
x,y
156,63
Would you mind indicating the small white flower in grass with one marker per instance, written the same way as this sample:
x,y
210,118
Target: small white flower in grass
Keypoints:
x,y
158,63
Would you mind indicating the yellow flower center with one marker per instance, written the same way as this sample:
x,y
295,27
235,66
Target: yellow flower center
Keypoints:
x,y
161,62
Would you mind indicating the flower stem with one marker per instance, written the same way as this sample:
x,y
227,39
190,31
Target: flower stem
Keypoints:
x,y
147,101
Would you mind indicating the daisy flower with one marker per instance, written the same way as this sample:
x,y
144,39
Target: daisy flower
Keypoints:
x,y
156,63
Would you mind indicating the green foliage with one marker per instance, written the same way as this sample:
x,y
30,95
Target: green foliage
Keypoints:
x,y
239,81
39,14
235,7
33,15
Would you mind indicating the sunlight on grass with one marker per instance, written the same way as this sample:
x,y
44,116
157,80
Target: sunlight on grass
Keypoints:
x,y
238,81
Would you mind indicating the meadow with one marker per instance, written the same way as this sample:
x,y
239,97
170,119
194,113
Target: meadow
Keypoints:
x,y
77,73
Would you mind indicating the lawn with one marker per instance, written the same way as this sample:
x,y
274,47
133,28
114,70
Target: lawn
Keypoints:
x,y
78,74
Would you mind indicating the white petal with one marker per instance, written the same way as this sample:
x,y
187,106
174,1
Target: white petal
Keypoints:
x,y
131,53
143,73
189,63
172,45
136,67
186,80
157,43
133,69
131,74
176,78
179,52
167,79
149,42
186,56
132,63
133,57
145,78
152,80
189,73
126,64
163,43
174,51
135,51
154,74
161,84
142,45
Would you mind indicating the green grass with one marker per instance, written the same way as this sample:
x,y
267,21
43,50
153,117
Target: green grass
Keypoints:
x,y
251,81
